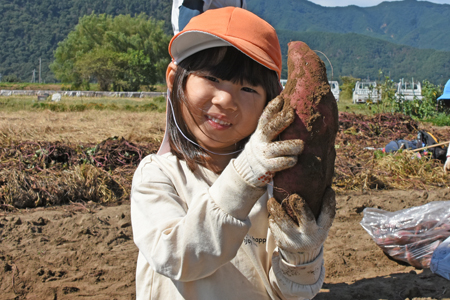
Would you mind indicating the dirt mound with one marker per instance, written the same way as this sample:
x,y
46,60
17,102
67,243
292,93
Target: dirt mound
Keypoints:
x,y
86,251
67,252
42,173
361,164
380,126
34,174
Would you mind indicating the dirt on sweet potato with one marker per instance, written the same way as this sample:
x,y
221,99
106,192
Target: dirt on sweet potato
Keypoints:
x,y
316,123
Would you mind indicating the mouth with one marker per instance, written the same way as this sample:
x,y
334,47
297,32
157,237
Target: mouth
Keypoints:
x,y
218,121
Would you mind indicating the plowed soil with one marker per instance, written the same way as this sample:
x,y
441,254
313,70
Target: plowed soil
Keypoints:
x,y
84,249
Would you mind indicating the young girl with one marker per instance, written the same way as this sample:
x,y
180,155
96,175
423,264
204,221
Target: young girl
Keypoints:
x,y
199,207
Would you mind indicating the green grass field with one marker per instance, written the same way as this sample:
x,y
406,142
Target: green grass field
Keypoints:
x,y
16,103
157,104
62,87
346,105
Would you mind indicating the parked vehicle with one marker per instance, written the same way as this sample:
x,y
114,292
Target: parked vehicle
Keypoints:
x,y
366,91
409,90
334,85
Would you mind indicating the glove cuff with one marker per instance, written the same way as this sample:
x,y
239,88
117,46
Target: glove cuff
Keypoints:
x,y
300,258
250,171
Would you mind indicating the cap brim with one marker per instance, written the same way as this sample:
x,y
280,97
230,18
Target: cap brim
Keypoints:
x,y
190,42
182,46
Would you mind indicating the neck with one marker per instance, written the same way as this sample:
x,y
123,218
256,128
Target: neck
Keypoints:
x,y
218,162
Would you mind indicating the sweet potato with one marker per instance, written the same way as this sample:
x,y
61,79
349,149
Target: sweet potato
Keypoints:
x,y
316,123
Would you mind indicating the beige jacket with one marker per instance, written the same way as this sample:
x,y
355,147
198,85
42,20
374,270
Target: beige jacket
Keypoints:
x,y
204,236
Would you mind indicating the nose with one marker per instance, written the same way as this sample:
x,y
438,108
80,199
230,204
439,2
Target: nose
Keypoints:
x,y
226,98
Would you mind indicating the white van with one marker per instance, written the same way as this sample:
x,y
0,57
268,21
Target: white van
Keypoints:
x,y
365,91
334,85
409,90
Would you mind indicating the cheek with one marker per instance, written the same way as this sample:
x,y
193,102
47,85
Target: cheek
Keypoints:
x,y
187,118
253,114
197,103
256,107
197,91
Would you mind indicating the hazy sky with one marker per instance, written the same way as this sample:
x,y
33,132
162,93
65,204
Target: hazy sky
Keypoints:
x,y
362,3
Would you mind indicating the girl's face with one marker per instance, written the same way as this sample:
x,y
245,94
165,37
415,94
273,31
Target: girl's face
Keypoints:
x,y
220,113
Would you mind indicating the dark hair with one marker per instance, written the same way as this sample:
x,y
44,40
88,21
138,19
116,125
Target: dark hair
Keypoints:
x,y
225,63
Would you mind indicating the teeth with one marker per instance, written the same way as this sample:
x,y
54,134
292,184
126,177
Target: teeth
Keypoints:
x,y
219,121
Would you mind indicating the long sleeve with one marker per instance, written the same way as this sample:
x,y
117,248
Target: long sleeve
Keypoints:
x,y
185,228
297,282
203,236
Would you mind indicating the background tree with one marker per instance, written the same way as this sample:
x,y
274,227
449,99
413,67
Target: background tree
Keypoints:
x,y
122,52
401,37
348,84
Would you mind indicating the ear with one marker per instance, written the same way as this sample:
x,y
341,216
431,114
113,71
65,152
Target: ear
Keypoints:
x,y
170,75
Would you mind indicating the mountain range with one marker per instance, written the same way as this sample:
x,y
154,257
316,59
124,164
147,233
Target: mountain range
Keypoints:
x,y
419,24
401,39
360,56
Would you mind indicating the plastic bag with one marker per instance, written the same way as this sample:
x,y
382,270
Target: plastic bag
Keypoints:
x,y
410,235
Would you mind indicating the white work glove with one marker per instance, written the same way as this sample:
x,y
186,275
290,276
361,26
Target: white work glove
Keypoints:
x,y
300,240
447,162
262,157
447,165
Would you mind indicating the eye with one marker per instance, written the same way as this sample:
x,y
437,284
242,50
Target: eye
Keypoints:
x,y
211,78
249,90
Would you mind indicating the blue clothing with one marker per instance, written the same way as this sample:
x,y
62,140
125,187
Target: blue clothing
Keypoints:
x,y
446,94
184,10
188,10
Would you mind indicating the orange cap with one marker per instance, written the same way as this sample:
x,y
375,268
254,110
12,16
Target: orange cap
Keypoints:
x,y
229,26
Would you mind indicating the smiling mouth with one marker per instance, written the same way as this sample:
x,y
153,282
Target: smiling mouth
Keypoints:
x,y
215,120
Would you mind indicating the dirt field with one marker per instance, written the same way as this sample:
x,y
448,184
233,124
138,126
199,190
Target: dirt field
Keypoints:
x,y
85,250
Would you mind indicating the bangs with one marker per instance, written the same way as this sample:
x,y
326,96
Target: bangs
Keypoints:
x,y
228,63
